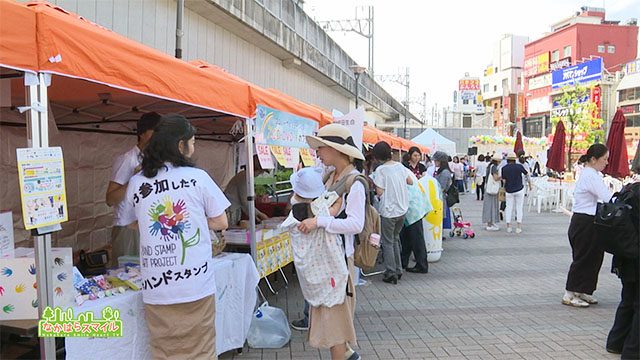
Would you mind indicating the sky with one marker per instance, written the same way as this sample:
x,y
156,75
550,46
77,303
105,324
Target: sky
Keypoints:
x,y
440,41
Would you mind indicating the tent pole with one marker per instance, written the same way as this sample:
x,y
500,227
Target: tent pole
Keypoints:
x,y
39,133
251,191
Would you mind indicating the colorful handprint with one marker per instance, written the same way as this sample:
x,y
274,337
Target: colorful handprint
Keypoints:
x,y
58,291
169,219
19,288
32,269
1,291
34,303
62,276
7,272
58,261
8,308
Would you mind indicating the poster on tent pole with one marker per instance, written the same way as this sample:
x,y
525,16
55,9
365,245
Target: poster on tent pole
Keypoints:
x,y
354,121
42,188
277,128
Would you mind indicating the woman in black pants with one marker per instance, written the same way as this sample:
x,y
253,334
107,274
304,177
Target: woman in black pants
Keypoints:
x,y
412,235
587,253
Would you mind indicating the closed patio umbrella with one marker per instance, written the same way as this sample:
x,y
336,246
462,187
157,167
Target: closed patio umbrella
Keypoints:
x,y
555,159
518,147
618,166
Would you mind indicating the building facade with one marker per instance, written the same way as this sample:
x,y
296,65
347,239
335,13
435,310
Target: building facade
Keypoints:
x,y
502,83
579,39
468,108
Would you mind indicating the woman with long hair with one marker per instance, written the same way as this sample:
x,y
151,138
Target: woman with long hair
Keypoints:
x,y
490,205
481,169
590,189
176,205
333,327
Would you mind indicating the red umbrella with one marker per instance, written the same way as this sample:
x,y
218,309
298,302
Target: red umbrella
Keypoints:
x,y
518,147
555,159
618,161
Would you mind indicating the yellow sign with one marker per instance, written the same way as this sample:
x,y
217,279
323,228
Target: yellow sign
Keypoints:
x,y
543,62
278,153
273,254
42,187
308,158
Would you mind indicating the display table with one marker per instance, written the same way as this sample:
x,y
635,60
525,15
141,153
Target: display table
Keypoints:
x,y
236,281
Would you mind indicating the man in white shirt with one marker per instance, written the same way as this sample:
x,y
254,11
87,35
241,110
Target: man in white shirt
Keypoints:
x,y
125,241
391,179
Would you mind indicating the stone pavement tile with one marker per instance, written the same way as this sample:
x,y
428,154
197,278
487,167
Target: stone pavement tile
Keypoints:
x,y
496,296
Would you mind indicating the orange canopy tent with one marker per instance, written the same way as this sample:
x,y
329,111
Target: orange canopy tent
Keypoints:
x,y
46,38
270,97
18,47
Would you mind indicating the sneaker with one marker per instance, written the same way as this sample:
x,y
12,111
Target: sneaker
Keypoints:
x,y
301,325
493,228
354,356
587,298
574,301
518,231
509,230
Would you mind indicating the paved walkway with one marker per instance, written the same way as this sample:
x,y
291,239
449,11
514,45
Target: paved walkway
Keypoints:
x,y
493,297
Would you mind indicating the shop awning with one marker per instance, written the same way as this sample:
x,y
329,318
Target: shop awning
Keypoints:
x,y
71,46
629,82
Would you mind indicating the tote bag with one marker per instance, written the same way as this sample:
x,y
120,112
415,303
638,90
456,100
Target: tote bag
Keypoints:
x,y
493,186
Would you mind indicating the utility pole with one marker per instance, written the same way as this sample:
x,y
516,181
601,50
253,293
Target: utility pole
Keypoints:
x,y
422,101
404,81
362,26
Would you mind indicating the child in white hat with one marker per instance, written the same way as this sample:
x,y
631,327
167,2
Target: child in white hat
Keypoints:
x,y
319,256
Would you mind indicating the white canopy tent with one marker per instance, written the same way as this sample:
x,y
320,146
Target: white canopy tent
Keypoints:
x,y
435,142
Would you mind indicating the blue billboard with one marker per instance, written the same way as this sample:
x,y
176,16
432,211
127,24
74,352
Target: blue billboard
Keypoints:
x,y
581,73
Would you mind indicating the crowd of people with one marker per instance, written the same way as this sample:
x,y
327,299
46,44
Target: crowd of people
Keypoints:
x,y
159,194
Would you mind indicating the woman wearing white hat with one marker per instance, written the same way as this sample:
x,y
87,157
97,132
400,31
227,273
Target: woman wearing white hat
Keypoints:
x,y
514,187
335,147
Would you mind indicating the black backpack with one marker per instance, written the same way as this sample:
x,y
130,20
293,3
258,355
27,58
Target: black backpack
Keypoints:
x,y
616,222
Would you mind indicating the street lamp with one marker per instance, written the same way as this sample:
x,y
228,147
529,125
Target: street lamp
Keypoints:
x,y
357,71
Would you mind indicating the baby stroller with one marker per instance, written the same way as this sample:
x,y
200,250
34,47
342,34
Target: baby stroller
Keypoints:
x,y
461,227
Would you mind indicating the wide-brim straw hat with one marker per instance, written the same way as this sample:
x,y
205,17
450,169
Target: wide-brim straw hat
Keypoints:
x,y
512,156
338,137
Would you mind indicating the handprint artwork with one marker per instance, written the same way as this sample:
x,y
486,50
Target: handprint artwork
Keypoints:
x,y
170,220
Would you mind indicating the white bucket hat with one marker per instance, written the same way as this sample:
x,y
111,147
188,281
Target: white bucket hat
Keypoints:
x,y
307,183
338,137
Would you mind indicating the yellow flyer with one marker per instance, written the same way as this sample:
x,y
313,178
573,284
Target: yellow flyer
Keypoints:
x,y
278,153
42,187
308,157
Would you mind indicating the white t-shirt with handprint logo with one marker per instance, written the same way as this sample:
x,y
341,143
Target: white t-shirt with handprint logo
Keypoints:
x,y
175,246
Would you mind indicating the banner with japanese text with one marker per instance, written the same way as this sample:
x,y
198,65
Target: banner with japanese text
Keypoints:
x,y
277,128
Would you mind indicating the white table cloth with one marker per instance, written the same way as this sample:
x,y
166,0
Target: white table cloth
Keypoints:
x,y
236,281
